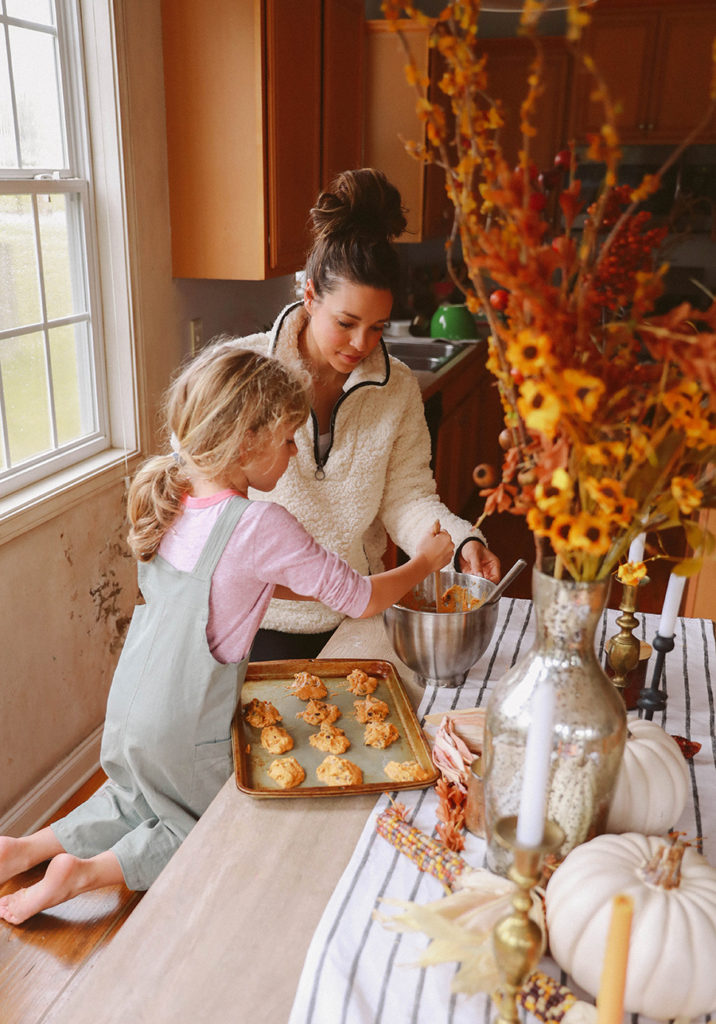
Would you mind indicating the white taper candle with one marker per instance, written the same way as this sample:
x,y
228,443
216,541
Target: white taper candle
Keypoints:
x,y
533,798
674,592
636,550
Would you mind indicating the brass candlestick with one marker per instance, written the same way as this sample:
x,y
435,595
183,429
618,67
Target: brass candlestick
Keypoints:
x,y
517,939
623,648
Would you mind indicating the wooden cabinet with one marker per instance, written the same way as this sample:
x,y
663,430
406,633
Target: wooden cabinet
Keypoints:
x,y
656,60
343,74
390,119
246,126
508,65
470,423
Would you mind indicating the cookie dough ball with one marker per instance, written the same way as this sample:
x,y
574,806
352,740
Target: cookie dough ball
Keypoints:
x,y
275,739
405,771
330,739
308,687
339,771
260,713
380,734
371,710
317,711
360,683
287,772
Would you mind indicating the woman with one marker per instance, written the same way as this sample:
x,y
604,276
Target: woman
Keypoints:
x,y
363,462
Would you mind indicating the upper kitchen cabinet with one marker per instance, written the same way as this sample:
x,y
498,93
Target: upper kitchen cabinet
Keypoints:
x,y
249,137
343,51
390,119
508,65
655,56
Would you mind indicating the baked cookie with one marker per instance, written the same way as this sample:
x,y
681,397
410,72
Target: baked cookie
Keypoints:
x,y
308,687
275,739
260,713
339,771
359,683
287,772
317,711
380,734
330,739
405,771
371,710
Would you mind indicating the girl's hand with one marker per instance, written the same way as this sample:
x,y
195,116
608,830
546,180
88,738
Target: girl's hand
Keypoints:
x,y
476,559
437,548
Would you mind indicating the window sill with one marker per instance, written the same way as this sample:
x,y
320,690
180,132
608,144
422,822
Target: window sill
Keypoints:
x,y
40,502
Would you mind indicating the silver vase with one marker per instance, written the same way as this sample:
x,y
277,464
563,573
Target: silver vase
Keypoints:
x,y
589,729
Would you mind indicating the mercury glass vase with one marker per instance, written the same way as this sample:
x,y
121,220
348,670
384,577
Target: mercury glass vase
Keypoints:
x,y
589,723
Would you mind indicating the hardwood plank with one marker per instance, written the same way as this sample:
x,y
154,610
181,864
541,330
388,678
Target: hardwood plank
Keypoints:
x,y
39,958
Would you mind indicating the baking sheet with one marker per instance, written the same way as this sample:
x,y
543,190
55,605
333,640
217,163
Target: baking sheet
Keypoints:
x,y
271,680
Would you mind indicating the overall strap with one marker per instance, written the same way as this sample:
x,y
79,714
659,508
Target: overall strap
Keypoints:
x,y
219,536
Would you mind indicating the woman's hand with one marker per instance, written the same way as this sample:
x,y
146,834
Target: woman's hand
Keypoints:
x,y
437,548
476,559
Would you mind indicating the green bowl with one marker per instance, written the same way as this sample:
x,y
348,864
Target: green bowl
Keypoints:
x,y
456,323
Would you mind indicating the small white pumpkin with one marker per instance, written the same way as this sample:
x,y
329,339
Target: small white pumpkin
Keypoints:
x,y
653,782
670,971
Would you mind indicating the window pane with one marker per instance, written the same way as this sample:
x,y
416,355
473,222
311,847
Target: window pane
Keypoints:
x,y
37,93
8,150
41,11
24,381
60,237
19,285
72,381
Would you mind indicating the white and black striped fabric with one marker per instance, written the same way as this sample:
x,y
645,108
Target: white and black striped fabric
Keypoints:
x,y
359,972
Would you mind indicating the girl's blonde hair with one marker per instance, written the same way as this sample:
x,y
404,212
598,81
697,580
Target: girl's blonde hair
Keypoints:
x,y
224,406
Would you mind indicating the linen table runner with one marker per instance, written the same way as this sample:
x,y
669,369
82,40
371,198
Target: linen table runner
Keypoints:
x,y
357,971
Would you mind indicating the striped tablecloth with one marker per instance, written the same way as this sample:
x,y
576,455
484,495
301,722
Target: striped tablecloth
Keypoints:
x,y
357,971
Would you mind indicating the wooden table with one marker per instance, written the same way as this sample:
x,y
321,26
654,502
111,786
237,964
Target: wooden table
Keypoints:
x,y
223,934
247,887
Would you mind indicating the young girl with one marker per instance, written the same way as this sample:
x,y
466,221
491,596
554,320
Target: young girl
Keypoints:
x,y
209,563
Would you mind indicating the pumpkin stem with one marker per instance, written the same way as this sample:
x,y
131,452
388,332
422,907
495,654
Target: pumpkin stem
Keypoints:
x,y
664,868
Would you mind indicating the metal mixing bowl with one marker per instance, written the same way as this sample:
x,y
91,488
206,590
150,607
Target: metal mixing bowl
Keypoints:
x,y
442,647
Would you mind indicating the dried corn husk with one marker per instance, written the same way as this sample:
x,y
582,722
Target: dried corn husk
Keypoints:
x,y
460,926
468,724
451,755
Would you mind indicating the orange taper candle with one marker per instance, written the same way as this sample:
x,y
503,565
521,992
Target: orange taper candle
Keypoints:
x,y
610,1001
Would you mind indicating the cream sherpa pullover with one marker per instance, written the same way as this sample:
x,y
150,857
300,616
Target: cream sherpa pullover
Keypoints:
x,y
376,476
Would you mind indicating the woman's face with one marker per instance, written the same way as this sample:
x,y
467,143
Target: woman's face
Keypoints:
x,y
346,324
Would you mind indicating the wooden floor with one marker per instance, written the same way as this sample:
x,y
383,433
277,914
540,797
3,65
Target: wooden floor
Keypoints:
x,y
41,957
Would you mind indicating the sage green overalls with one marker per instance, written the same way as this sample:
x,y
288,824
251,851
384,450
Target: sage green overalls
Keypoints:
x,y
166,747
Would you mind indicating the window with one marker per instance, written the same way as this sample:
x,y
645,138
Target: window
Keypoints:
x,y
53,401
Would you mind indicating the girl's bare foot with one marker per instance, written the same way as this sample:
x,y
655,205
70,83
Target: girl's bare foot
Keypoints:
x,y
18,855
66,876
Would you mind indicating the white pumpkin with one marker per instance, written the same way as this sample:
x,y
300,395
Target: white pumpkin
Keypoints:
x,y
653,782
670,971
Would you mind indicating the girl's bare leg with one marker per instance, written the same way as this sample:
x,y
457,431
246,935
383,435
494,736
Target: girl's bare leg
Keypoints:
x,y
18,855
66,876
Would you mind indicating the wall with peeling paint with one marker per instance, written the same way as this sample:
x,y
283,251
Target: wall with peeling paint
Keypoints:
x,y
69,585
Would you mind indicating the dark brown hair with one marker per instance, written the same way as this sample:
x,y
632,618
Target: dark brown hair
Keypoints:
x,y
354,223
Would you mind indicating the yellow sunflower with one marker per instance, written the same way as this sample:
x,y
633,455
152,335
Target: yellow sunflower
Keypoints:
x,y
556,495
629,573
590,534
584,392
539,407
529,352
687,495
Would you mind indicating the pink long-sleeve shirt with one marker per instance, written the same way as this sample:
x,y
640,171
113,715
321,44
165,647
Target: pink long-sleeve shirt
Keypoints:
x,y
268,547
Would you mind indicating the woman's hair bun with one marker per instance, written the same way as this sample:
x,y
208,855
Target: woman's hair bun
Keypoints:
x,y
360,204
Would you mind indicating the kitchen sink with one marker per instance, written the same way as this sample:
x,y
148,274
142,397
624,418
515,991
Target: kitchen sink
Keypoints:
x,y
424,353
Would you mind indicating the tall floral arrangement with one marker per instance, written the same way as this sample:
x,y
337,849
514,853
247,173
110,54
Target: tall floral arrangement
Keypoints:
x,y
610,409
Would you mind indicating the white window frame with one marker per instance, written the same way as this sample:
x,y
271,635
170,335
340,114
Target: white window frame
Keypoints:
x,y
105,458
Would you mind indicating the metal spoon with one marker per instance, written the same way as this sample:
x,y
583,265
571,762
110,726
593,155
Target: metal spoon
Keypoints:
x,y
504,583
